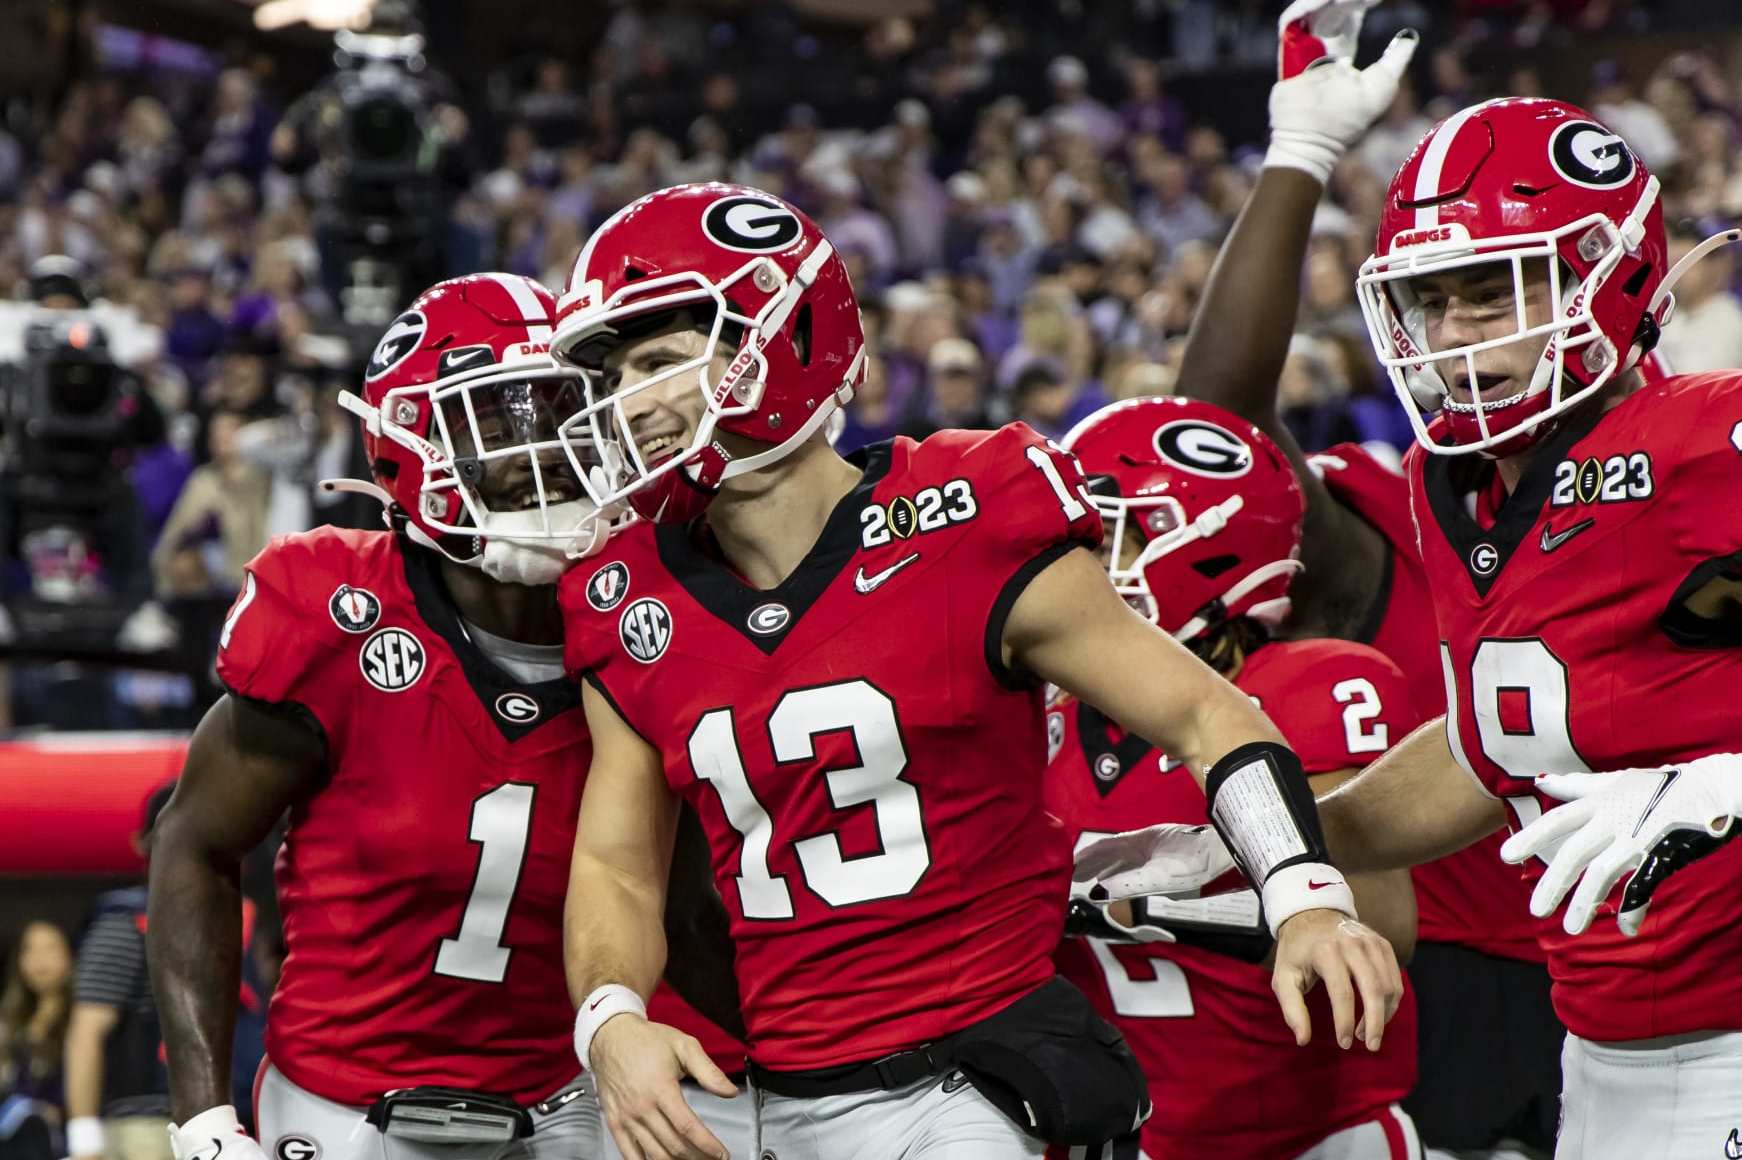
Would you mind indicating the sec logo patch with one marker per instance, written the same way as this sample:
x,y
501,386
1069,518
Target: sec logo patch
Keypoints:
x,y
392,660
645,629
354,609
608,586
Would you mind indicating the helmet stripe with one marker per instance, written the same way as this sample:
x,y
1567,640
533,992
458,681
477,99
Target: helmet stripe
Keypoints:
x,y
531,309
1433,160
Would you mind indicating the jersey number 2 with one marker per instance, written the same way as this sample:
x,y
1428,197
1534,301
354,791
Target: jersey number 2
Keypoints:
x,y
501,820
1165,995
864,710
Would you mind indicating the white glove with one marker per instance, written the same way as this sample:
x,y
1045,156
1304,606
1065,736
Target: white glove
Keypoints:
x,y
1321,103
1172,860
214,1134
1644,824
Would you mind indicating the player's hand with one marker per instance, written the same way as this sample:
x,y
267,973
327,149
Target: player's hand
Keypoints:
x,y
1321,103
1641,824
1171,860
637,1065
1351,959
214,1134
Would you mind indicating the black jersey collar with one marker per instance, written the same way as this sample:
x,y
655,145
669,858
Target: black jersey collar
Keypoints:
x,y
1108,761
761,616
435,606
1448,479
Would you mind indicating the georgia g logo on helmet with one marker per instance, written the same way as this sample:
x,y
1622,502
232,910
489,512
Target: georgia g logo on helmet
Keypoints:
x,y
403,337
750,225
1203,448
1587,154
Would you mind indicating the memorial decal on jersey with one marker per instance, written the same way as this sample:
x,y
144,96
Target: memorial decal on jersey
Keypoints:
x,y
928,510
392,660
354,609
608,586
645,629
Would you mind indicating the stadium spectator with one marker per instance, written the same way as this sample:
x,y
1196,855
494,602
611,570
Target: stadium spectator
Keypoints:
x,y
219,521
34,1008
955,390
116,1087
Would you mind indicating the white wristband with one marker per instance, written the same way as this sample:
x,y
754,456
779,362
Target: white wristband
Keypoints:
x,y
1305,886
607,1001
84,1136
217,1123
1312,154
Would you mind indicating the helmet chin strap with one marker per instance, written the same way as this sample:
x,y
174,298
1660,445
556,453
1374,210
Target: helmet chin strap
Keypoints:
x,y
1270,612
1680,270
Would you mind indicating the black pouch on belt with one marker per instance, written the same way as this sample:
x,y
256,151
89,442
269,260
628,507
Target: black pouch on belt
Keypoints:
x,y
1056,1068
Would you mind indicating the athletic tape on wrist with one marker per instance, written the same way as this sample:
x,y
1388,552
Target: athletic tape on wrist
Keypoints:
x,y
217,1123
605,1002
84,1136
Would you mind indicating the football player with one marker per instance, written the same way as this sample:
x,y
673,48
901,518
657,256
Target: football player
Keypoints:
x,y
1478,966
401,693
1584,569
1203,519
838,663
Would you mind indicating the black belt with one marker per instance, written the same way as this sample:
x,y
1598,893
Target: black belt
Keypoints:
x,y
888,1073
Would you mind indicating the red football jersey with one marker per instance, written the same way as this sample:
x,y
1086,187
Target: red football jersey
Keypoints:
x,y
1471,898
1568,649
422,888
1224,1072
866,767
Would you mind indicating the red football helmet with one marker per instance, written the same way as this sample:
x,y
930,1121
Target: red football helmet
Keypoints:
x,y
1211,499
752,268
1517,186
461,406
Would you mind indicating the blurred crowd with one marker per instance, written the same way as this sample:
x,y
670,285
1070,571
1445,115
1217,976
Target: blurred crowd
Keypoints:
x,y
1030,198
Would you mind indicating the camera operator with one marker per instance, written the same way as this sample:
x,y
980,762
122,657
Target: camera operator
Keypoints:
x,y
381,148
77,579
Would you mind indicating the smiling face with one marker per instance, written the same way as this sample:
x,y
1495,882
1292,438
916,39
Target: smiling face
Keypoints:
x,y
663,416
517,422
1480,303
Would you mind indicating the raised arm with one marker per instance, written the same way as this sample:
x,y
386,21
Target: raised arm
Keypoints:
x,y
247,764
1239,337
615,948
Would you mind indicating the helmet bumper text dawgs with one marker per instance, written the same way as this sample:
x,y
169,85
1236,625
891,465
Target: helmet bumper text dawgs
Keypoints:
x,y
1517,186
461,388
742,261
1211,501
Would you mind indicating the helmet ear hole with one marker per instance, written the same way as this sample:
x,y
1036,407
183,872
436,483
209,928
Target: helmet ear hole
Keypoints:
x,y
1214,566
801,335
1636,283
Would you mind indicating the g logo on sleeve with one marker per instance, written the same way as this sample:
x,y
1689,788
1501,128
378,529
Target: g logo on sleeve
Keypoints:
x,y
750,225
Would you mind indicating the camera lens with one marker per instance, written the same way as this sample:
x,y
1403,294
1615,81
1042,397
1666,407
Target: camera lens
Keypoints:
x,y
81,389
384,129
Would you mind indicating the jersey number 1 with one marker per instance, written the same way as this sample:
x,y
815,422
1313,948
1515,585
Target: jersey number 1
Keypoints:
x,y
501,821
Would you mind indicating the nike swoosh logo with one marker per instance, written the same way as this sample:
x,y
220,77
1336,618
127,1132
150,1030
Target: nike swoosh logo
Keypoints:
x,y
1553,540
1669,779
865,585
594,1005
455,360
1311,885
